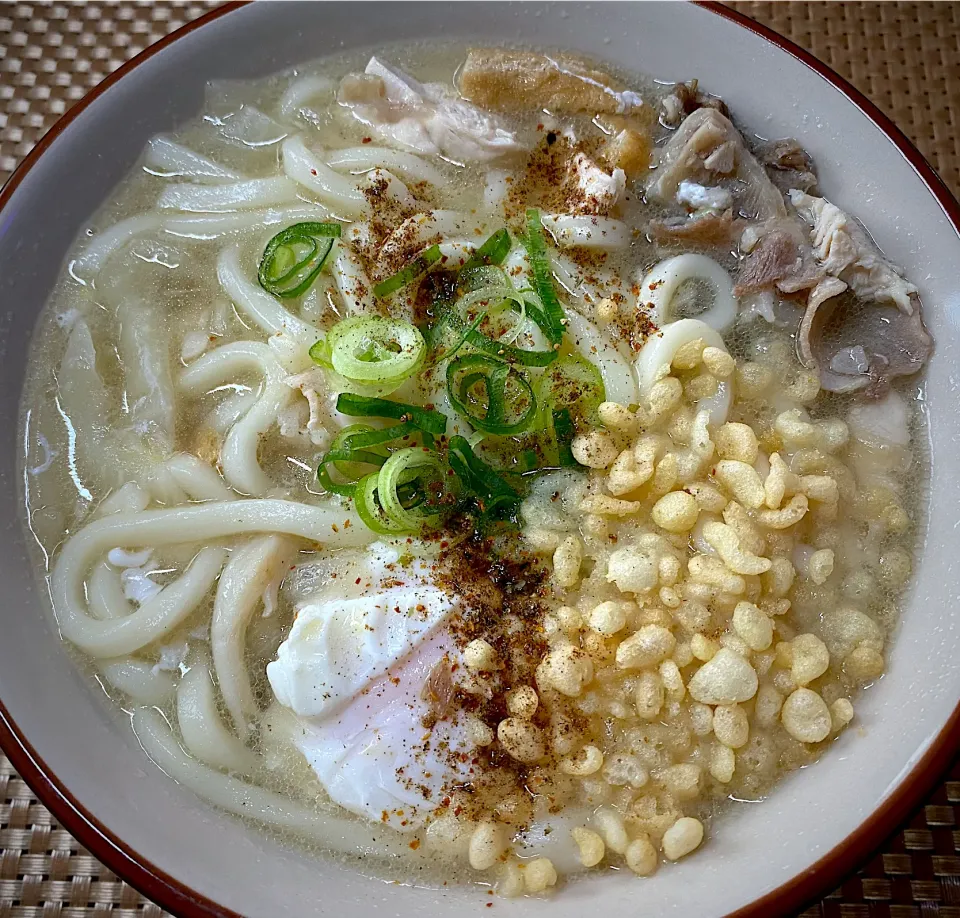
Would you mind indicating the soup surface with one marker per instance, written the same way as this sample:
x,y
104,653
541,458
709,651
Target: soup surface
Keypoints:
x,y
481,462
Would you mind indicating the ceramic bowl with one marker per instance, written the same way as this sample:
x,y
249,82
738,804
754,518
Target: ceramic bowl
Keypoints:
x,y
80,755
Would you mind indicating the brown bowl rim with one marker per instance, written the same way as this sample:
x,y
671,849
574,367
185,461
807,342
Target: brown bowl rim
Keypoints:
x,y
175,897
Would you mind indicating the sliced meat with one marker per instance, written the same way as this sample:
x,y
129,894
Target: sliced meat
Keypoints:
x,y
423,117
857,346
505,80
788,164
706,229
708,136
780,258
846,251
686,99
873,334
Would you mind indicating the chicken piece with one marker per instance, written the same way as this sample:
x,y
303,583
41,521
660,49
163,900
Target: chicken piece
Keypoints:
x,y
707,137
788,165
505,80
423,117
846,251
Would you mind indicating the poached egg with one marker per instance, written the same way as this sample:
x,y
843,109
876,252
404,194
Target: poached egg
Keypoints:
x,y
353,671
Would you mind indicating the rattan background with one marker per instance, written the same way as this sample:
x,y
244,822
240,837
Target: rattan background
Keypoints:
x,y
904,56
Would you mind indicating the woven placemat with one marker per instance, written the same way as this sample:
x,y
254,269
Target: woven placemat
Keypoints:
x,y
901,55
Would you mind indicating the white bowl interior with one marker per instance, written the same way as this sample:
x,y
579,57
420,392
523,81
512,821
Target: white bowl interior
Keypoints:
x,y
753,849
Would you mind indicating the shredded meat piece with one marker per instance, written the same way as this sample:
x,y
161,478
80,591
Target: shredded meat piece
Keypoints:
x,y
704,229
788,164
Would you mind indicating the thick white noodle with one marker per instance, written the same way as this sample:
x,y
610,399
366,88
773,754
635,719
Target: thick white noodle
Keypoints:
x,y
660,286
366,158
214,226
259,305
130,498
657,354
572,279
168,158
354,286
302,90
139,680
146,364
228,362
495,189
341,193
230,410
84,407
199,480
238,456
156,480
235,796
417,231
248,573
392,188
155,618
197,523
203,732
587,232
88,264
618,377
105,594
265,192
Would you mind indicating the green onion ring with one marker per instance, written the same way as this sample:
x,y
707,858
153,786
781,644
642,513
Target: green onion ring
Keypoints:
x,y
505,412
372,349
404,467
352,445
295,256
573,383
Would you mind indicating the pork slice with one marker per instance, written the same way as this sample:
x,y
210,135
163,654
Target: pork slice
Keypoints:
x,y
707,137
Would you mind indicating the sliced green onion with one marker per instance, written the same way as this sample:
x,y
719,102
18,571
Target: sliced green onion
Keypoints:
x,y
371,349
354,446
491,490
572,383
364,406
492,395
369,509
542,276
294,257
406,276
404,467
492,252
